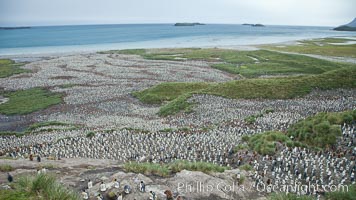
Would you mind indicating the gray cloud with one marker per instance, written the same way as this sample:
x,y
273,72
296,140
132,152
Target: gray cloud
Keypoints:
x,y
285,12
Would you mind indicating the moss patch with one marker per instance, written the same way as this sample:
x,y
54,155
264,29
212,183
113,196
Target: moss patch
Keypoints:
x,y
9,68
28,101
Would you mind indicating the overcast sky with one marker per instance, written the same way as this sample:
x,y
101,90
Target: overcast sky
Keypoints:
x,y
278,12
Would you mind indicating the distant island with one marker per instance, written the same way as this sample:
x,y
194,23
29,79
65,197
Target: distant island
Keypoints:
x,y
254,25
347,27
188,24
12,28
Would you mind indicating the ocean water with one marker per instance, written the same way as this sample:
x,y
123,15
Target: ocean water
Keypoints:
x,y
61,39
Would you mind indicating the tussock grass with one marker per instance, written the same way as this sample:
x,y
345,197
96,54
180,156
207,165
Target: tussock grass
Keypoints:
x,y
6,168
265,143
9,68
205,167
246,167
47,166
39,187
240,147
289,196
177,105
27,101
321,130
148,169
343,195
177,93
286,87
270,88
168,91
340,195
165,170
90,134
320,47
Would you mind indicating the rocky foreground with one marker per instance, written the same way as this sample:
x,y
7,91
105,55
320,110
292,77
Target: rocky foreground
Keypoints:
x,y
188,184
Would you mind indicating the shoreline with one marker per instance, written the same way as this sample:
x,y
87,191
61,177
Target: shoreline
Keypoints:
x,y
30,57
55,51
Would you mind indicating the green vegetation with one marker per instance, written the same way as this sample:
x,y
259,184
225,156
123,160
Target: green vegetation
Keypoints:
x,y
177,105
313,73
168,92
38,125
126,51
136,130
40,187
148,169
270,88
326,46
289,196
228,67
205,167
242,180
112,195
323,41
167,130
246,167
109,130
240,147
265,143
68,85
7,158
9,68
343,195
321,130
6,168
286,87
28,101
340,195
247,63
252,119
90,134
8,133
269,110
47,166
165,170
43,126
270,63
177,93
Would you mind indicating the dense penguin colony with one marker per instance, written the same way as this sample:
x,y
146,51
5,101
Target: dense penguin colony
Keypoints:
x,y
125,129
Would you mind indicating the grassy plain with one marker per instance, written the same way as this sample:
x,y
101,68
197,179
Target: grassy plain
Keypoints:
x,y
9,68
27,101
268,88
324,46
246,63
